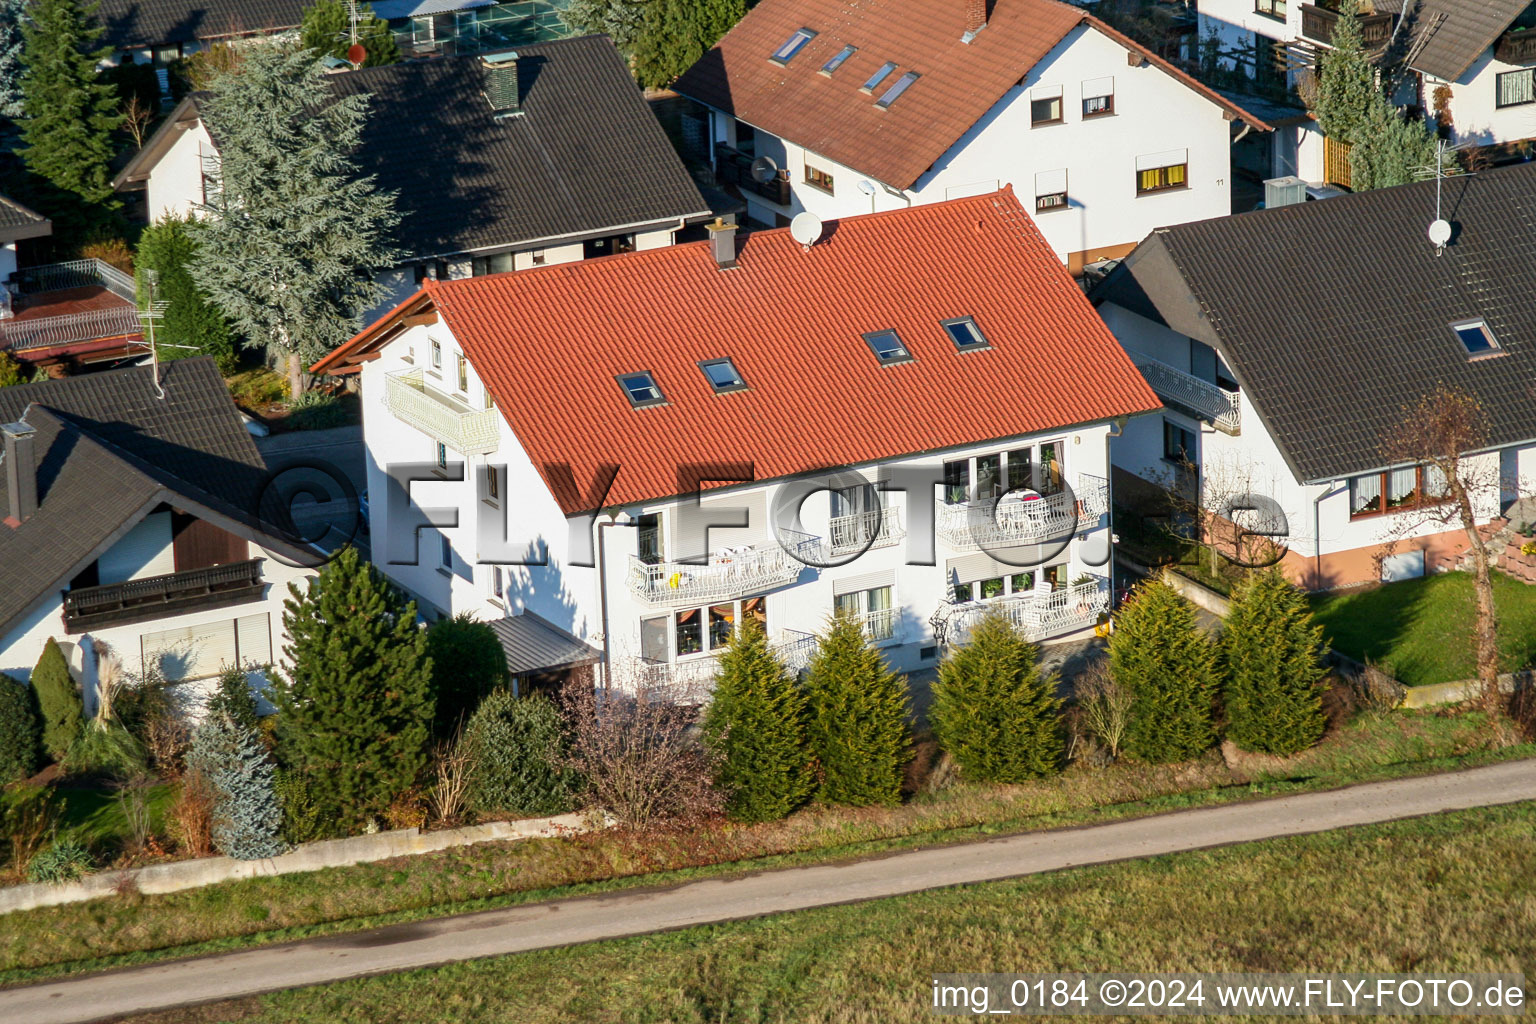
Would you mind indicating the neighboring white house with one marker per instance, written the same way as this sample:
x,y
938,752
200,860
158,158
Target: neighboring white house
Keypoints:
x,y
1482,54
842,110
130,520
1290,388
574,410
501,161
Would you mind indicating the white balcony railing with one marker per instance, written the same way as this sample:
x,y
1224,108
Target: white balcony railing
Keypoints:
x,y
695,677
87,273
1223,408
729,574
465,430
18,335
1039,615
1023,519
875,528
880,626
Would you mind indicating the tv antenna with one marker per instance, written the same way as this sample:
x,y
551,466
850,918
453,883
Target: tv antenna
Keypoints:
x,y
356,52
152,313
1440,230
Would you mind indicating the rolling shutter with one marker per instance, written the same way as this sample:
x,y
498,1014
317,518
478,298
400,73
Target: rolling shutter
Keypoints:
x,y
206,649
864,581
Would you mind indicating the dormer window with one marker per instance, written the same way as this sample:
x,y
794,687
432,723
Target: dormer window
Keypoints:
x,y
897,88
1477,338
723,375
878,77
793,45
838,59
641,389
887,347
965,334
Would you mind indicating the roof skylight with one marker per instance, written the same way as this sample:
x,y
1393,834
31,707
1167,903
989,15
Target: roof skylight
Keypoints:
x,y
965,334
1476,337
837,59
897,88
723,375
641,389
887,347
878,76
793,45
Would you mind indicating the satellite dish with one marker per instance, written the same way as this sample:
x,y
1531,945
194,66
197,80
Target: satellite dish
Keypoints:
x,y
356,54
865,186
764,170
805,228
1440,233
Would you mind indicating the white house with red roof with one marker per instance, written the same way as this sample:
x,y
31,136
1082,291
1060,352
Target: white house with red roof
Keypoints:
x,y
842,109
907,420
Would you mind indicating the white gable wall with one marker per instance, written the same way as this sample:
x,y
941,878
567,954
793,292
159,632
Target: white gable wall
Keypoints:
x,y
175,184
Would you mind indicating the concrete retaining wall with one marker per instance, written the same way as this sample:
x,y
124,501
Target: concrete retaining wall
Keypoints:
x,y
332,853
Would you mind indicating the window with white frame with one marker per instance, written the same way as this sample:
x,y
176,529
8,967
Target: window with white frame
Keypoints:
x,y
709,629
1270,8
1036,468
872,607
1045,106
1162,172
1098,97
437,354
1051,190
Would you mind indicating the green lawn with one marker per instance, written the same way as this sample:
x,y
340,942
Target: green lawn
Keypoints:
x,y
133,928
1421,630
96,817
1450,893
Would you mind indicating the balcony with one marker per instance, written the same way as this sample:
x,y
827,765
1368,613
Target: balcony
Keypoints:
x,y
117,604
68,304
865,531
880,626
729,574
1221,407
733,167
465,430
1517,46
1317,23
695,677
1038,615
1028,519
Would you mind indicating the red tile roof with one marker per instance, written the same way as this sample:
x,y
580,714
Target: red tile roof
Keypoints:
x,y
960,81
549,342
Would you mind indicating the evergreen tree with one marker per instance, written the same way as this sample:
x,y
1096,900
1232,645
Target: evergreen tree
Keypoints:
x,y
755,726
1159,653
356,705
660,38
247,820
12,45
234,700
1391,149
1346,81
519,762
468,664
993,711
327,29
294,235
58,699
21,731
1274,668
192,325
70,115
857,711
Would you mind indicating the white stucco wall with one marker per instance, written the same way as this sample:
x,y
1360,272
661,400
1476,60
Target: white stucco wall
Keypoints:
x,y
1476,117
176,183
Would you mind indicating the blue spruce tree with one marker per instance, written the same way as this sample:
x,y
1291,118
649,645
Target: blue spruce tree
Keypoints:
x,y
247,816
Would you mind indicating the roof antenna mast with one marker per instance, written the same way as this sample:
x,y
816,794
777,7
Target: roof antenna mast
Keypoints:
x,y
151,313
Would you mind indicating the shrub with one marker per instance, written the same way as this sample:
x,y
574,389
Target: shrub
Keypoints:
x,y
114,252
21,731
148,710
192,814
107,748
755,725
1274,669
64,860
316,410
468,664
233,698
58,700
454,768
857,710
12,372
637,758
191,324
1159,654
246,816
29,817
1104,707
993,712
518,754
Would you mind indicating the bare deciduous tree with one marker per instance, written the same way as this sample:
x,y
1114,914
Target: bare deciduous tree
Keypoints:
x,y
136,119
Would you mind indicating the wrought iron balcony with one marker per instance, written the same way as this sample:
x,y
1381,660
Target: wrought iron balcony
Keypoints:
x,y
876,528
140,600
729,574
1221,407
1014,520
1517,46
465,430
880,626
67,303
1039,615
21,334
1318,22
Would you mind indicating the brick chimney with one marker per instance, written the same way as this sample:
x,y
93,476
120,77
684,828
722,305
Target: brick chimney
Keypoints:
x,y
498,71
20,472
975,18
722,243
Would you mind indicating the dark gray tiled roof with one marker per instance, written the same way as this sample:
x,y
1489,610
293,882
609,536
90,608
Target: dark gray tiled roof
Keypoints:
x,y
136,23
1335,315
107,451
1449,35
17,222
586,157
534,644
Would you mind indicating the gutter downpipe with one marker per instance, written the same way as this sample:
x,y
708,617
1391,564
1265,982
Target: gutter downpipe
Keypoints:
x,y
1116,429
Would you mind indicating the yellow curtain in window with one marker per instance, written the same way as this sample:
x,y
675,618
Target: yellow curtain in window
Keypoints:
x,y
1176,174
1148,180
